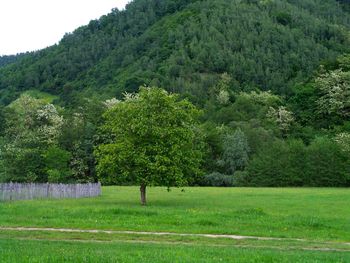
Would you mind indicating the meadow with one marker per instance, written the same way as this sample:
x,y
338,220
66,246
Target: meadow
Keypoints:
x,y
304,224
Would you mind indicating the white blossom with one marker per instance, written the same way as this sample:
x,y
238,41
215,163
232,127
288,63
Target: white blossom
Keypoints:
x,y
282,117
111,103
223,97
343,139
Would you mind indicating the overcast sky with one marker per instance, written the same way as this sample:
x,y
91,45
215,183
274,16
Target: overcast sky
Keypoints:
x,y
28,25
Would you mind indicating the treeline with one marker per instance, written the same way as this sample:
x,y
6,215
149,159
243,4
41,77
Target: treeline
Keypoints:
x,y
42,142
261,139
253,138
5,60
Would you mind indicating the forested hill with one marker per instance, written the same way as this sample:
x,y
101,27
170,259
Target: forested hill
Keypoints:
x,y
5,60
271,77
184,46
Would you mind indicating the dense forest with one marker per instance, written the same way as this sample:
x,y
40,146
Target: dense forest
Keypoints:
x,y
271,77
5,60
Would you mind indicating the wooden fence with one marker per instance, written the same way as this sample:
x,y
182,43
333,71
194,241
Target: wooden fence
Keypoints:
x,y
17,191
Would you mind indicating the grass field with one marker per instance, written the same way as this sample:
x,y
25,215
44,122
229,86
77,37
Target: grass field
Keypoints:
x,y
321,217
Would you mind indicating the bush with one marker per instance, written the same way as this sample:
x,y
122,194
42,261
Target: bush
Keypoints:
x,y
291,163
54,176
327,164
217,179
281,164
240,178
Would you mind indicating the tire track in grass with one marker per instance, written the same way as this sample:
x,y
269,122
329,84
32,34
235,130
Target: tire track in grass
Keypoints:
x,y
213,236
186,244
71,230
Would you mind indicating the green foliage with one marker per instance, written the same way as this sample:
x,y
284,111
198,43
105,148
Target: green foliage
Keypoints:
x,y
151,140
23,165
328,165
5,60
334,89
36,145
54,176
235,151
185,45
217,179
57,164
291,163
324,102
43,96
246,106
250,65
282,118
280,164
343,140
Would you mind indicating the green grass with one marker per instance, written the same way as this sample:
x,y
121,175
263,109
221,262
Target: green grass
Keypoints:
x,y
44,96
321,216
68,251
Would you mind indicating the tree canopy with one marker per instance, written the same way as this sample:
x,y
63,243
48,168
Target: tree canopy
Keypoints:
x,y
151,139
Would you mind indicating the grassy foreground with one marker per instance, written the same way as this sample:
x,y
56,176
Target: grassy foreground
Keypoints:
x,y
320,216
59,251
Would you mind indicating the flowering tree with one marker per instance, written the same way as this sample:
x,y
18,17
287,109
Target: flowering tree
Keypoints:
x,y
282,117
343,140
334,87
32,127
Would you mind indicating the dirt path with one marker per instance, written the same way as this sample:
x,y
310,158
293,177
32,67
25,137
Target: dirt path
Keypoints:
x,y
214,236
70,230
191,244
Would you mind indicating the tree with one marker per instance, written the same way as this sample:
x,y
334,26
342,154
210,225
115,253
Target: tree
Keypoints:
x,y
235,151
343,140
327,164
31,127
334,87
56,164
282,118
280,164
150,140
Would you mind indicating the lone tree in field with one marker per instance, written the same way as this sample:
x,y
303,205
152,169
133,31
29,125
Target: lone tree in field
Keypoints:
x,y
150,140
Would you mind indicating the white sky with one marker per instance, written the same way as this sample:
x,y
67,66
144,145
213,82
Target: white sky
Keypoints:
x,y
28,25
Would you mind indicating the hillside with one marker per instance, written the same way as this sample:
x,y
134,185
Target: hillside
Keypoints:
x,y
184,46
270,80
5,60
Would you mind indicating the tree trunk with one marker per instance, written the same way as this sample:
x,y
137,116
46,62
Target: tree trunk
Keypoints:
x,y
143,194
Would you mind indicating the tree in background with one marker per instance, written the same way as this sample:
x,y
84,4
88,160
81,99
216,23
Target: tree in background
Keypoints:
x,y
235,151
327,164
20,152
292,163
57,164
42,142
343,140
334,87
282,118
150,140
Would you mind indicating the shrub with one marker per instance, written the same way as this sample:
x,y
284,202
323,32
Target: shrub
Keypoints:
x,y
291,163
54,176
217,179
327,164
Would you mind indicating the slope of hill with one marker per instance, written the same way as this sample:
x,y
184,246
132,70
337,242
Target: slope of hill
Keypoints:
x,y
184,46
8,59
